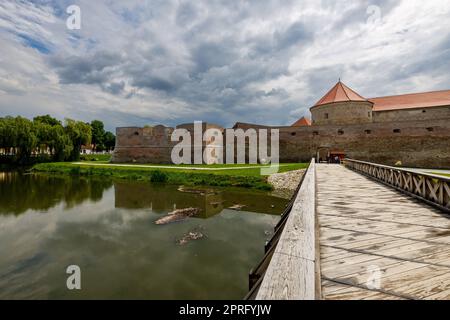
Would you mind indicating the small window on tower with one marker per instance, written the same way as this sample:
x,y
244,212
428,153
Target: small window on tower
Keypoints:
x,y
316,133
340,132
430,129
397,131
368,131
326,116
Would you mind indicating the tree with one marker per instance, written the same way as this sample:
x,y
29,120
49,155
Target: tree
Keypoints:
x,y
26,139
2,134
44,137
98,135
62,146
110,141
47,119
9,134
80,133
52,137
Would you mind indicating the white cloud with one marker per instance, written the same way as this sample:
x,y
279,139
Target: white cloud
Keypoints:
x,y
136,62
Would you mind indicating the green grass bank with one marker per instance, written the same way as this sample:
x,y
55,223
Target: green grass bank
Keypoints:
x,y
215,175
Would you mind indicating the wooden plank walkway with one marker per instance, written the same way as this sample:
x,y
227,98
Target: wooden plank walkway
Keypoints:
x,y
377,243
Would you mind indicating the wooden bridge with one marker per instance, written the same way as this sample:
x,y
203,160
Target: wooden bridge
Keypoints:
x,y
360,231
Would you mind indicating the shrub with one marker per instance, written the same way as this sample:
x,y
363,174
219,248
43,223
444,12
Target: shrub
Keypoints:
x,y
75,170
158,176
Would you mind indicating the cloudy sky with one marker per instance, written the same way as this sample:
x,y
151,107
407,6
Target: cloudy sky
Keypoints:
x,y
137,62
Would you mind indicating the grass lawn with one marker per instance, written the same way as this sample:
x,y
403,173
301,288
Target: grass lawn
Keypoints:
x,y
96,157
222,169
248,176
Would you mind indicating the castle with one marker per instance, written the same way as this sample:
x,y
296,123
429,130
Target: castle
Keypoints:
x,y
413,129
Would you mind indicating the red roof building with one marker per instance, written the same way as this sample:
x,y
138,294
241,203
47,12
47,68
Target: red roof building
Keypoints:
x,y
340,93
342,105
303,122
411,101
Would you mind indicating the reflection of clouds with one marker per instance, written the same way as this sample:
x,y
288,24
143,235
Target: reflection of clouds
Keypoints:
x,y
250,217
26,231
121,250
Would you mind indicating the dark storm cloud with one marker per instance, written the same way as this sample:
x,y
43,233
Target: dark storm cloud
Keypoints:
x,y
296,33
95,69
115,87
186,13
221,61
209,55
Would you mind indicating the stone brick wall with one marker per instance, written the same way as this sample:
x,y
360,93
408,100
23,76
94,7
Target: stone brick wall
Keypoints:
x,y
414,143
342,113
416,114
423,143
152,144
143,145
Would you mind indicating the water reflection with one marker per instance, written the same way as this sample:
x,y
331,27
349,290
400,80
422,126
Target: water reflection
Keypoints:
x,y
21,192
107,228
159,199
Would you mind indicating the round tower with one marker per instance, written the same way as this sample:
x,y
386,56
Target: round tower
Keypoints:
x,y
341,106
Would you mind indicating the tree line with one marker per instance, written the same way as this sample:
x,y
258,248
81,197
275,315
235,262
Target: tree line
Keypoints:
x,y
48,139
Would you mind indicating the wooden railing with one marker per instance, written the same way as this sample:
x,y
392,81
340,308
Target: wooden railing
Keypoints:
x,y
431,188
287,270
257,273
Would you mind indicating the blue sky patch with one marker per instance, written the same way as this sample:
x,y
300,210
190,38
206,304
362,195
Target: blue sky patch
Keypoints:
x,y
35,44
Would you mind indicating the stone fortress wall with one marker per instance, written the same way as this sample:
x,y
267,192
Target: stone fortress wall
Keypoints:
x,y
415,114
342,113
151,144
417,137
142,145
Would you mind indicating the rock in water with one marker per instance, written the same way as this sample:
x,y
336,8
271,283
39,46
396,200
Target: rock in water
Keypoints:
x,y
178,215
237,207
190,236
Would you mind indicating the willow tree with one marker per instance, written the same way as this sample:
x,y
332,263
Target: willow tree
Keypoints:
x,y
8,134
26,139
61,146
80,134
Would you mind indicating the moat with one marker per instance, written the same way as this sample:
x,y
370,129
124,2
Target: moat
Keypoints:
x,y
108,229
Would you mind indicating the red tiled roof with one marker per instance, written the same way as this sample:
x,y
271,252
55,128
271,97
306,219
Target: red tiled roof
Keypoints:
x,y
340,93
411,101
303,122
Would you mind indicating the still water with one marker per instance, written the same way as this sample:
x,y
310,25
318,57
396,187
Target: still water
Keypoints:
x,y
107,229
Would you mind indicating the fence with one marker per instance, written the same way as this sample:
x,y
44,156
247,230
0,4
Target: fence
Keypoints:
x,y
431,188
